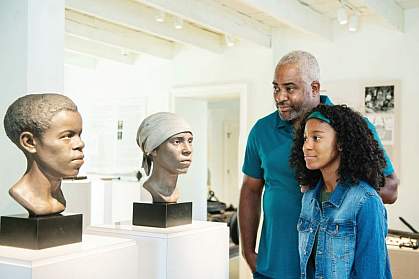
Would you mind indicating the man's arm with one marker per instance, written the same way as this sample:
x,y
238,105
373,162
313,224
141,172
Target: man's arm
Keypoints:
x,y
388,193
249,216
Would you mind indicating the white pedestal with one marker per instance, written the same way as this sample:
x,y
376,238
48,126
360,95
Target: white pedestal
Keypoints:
x,y
95,257
199,250
112,199
78,196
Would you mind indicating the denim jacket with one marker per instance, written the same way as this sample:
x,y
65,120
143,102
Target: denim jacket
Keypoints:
x,y
351,228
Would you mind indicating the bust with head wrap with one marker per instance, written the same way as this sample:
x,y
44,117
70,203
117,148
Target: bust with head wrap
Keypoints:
x,y
166,142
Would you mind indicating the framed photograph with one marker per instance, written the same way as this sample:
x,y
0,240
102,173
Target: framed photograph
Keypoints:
x,y
382,108
379,99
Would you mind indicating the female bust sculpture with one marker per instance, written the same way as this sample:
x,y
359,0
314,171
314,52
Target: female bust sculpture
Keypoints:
x,y
166,142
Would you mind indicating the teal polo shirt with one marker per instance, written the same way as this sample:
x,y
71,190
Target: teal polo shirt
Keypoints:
x,y
267,157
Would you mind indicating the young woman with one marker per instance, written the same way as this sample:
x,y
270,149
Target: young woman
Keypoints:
x,y
343,222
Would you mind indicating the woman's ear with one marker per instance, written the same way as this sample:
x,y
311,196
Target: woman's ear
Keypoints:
x,y
28,142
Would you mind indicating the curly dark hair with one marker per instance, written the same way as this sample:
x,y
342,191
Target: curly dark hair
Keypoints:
x,y
361,157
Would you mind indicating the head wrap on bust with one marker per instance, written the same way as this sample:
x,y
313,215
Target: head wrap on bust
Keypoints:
x,y
156,129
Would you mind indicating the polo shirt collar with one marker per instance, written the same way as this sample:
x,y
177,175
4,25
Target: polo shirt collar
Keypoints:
x,y
282,123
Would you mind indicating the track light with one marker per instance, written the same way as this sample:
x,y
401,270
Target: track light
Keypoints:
x,y
160,17
229,40
342,15
353,23
178,23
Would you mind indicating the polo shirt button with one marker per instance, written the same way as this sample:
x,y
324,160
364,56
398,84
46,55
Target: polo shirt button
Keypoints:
x,y
320,252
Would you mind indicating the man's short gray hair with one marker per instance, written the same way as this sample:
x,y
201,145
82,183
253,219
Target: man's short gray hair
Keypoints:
x,y
33,113
307,64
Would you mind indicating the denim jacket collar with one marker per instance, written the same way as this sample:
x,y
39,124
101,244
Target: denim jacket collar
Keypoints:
x,y
337,196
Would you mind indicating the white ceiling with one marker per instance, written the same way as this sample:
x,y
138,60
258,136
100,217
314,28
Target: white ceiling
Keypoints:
x,y
128,28
326,8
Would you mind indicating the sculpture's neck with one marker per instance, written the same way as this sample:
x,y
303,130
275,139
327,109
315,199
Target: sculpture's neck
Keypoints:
x,y
162,186
38,193
46,184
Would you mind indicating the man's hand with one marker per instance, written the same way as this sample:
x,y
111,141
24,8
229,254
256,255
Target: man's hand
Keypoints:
x,y
388,193
304,188
251,260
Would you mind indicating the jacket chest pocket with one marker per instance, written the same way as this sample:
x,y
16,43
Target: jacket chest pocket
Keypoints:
x,y
340,242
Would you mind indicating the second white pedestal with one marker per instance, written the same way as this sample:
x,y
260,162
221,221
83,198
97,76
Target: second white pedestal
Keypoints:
x,y
95,257
199,250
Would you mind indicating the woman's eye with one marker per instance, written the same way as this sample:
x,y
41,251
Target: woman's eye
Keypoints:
x,y
305,139
290,89
316,138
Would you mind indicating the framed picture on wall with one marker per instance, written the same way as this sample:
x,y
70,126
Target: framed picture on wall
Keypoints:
x,y
379,108
382,107
379,99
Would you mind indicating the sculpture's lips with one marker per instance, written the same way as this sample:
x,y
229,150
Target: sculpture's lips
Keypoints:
x,y
186,162
78,160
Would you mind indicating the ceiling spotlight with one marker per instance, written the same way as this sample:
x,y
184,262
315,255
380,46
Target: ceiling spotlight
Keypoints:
x,y
353,23
229,40
160,17
342,15
178,23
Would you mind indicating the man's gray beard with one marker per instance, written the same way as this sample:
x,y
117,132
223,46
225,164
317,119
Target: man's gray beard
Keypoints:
x,y
293,115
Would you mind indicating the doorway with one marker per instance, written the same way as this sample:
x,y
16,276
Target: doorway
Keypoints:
x,y
197,104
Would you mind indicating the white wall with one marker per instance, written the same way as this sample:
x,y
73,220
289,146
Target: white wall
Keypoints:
x,y
244,63
375,53
111,84
31,60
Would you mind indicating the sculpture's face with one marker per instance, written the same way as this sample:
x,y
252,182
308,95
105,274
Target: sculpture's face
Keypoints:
x,y
175,154
59,151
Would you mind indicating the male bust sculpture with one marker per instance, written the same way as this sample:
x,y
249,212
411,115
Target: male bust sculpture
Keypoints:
x,y
166,141
47,128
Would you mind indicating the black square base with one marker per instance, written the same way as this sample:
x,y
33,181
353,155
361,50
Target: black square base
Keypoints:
x,y
161,215
40,232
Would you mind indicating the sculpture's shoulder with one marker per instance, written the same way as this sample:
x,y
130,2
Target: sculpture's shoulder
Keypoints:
x,y
34,202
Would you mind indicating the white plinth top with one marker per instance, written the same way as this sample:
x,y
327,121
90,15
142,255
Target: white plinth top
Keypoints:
x,y
170,232
91,244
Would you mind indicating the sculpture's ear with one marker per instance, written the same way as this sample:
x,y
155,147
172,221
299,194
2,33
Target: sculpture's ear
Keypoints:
x,y
28,142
